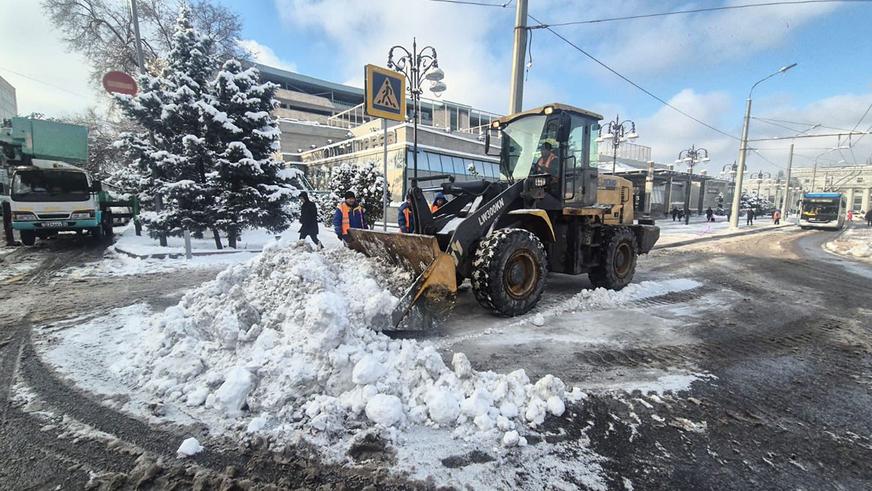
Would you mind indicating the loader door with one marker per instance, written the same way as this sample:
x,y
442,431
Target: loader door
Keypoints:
x,y
579,178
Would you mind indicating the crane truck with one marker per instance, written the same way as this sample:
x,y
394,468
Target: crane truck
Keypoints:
x,y
550,212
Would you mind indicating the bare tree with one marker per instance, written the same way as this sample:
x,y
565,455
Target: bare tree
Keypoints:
x,y
102,30
104,157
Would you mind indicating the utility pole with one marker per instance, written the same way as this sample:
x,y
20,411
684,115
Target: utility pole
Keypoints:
x,y
784,201
140,60
516,93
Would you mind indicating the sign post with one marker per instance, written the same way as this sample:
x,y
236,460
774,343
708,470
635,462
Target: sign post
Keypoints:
x,y
385,98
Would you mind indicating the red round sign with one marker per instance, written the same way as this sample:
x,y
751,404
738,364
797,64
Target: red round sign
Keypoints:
x,y
119,83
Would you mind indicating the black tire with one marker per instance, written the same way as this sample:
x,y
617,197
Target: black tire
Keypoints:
x,y
28,237
509,271
106,225
617,260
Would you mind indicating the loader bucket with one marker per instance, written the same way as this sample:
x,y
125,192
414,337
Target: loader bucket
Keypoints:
x,y
434,289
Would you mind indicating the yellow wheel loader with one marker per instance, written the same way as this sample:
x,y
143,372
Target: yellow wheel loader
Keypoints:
x,y
551,212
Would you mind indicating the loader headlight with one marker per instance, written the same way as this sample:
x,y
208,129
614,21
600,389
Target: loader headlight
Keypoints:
x,y
540,182
82,215
23,216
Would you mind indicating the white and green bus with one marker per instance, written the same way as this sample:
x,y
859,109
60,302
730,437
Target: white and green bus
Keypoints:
x,y
823,210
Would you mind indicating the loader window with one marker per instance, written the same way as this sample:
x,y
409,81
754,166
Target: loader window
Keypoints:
x,y
521,141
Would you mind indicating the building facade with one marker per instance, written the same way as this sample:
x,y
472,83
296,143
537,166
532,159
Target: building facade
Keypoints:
x,y
8,100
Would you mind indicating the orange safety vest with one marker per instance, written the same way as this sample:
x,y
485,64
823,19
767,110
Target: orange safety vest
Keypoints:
x,y
433,208
407,212
546,163
346,222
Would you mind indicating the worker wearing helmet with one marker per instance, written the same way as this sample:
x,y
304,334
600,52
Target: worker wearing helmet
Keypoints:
x,y
547,163
438,202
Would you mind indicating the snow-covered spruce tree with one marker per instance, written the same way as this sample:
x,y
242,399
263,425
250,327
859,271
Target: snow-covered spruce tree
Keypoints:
x,y
172,151
252,187
365,181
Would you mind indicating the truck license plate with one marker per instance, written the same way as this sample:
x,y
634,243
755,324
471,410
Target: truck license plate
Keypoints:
x,y
53,224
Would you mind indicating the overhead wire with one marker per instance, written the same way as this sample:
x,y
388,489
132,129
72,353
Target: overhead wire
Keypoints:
x,y
693,11
49,84
634,84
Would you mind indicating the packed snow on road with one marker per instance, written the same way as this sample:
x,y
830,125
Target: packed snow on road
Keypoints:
x,y
854,242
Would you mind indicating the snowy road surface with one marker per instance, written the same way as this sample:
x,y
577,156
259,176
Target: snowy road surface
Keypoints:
x,y
742,362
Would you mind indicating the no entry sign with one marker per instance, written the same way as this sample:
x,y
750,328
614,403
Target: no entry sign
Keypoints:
x,y
119,83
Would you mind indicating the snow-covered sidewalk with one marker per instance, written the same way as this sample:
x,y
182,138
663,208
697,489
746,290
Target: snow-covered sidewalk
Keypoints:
x,y
854,242
675,232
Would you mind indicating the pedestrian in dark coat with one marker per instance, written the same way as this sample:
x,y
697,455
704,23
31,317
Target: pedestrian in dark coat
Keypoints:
x,y
309,219
869,218
674,213
709,214
750,216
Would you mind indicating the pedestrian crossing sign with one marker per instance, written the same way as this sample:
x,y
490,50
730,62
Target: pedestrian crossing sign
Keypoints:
x,y
385,93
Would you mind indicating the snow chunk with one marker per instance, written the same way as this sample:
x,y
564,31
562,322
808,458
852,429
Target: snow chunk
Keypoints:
x,y
538,320
462,367
384,409
189,447
367,371
442,406
233,392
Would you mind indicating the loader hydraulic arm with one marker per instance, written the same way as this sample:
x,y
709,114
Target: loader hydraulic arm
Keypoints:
x,y
477,224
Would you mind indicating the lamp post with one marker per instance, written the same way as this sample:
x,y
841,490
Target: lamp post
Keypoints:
x,y
690,157
417,66
743,147
616,132
760,180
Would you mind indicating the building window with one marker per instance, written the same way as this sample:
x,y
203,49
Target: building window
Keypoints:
x,y
859,180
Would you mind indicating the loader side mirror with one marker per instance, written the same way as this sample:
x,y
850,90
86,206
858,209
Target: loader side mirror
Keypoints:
x,y
487,141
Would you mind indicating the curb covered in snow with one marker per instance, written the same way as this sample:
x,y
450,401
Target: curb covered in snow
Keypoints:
x,y
180,255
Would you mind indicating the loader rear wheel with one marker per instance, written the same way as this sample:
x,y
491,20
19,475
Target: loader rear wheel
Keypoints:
x,y
617,260
509,271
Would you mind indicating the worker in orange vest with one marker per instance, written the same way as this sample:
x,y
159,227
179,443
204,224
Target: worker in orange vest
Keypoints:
x,y
405,218
438,202
349,214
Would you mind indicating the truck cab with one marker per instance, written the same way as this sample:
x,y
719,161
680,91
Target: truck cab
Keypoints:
x,y
51,197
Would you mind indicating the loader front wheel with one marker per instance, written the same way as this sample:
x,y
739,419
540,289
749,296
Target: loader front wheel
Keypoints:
x,y
509,271
617,260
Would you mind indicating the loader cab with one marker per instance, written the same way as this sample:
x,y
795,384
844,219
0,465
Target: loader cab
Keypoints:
x,y
552,144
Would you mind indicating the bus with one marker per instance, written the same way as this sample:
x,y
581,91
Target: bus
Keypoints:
x,y
823,210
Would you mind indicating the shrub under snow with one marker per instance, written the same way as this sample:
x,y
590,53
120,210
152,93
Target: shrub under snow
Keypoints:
x,y
286,342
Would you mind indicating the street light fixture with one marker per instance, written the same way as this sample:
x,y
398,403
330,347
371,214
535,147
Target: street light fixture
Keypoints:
x,y
743,146
616,131
690,157
417,66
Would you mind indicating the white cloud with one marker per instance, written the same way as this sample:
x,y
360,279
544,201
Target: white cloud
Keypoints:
x,y
58,82
477,72
668,132
265,55
683,42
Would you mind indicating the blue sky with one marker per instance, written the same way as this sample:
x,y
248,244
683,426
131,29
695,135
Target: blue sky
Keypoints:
x,y
703,63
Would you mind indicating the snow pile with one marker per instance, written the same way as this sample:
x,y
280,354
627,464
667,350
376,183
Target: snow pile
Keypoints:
x,y
286,343
854,242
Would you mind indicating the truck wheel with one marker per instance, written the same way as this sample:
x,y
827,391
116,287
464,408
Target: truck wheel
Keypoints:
x,y
28,237
106,225
617,260
509,271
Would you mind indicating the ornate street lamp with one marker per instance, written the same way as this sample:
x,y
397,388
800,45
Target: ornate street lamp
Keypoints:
x,y
616,133
690,157
417,66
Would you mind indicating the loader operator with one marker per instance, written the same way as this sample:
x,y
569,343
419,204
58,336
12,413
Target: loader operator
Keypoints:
x,y
438,202
348,215
547,163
